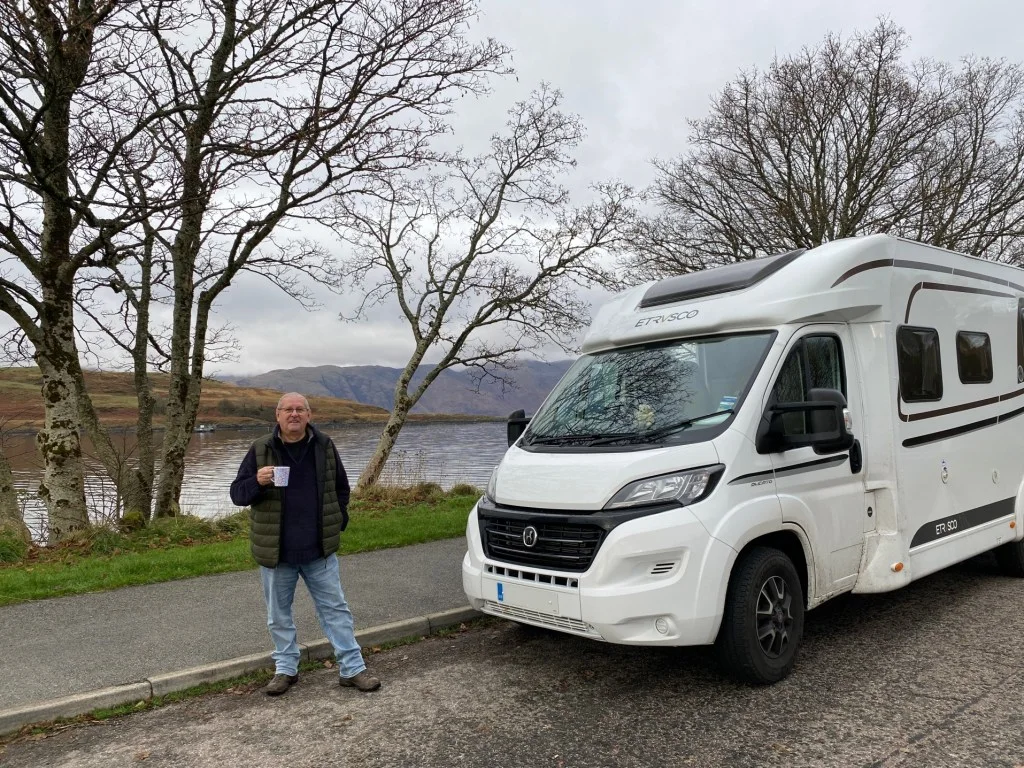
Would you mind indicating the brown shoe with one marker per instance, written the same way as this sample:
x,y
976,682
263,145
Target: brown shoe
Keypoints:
x,y
279,684
364,681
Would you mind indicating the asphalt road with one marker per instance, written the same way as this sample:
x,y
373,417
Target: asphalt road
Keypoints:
x,y
929,676
68,645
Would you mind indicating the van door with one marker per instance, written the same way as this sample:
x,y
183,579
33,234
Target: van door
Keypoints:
x,y
822,492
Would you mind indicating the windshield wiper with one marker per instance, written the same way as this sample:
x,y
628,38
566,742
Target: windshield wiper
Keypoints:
x,y
670,428
614,437
592,439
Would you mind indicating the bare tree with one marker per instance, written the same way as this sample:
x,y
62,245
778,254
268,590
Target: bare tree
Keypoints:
x,y
844,139
483,260
242,116
285,102
66,120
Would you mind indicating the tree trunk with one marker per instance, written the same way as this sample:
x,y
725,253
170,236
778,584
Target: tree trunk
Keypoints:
x,y
403,404
183,397
63,485
10,514
146,467
375,467
59,442
130,483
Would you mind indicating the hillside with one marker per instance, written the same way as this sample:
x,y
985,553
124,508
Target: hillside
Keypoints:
x,y
113,394
451,392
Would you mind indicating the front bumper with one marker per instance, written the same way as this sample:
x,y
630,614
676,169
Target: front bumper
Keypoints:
x,y
656,580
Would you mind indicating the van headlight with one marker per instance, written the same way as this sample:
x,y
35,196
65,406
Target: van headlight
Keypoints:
x,y
682,487
492,486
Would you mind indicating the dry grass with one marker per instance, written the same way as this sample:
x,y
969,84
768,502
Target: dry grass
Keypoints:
x,y
113,395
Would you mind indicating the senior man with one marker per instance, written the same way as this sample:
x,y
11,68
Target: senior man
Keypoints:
x,y
295,484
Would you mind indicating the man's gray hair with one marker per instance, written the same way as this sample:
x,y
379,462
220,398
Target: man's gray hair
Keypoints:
x,y
305,402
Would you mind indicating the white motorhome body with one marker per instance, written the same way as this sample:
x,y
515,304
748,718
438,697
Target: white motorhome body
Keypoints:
x,y
739,444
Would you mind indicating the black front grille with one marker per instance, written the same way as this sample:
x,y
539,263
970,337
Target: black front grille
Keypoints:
x,y
563,546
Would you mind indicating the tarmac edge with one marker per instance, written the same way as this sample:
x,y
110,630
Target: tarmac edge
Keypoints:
x,y
12,720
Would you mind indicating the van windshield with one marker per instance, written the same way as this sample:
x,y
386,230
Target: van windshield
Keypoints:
x,y
662,393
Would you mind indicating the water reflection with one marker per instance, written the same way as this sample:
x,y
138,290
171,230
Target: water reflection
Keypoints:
x,y
443,453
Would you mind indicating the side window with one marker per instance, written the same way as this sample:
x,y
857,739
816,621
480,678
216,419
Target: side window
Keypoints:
x,y
917,353
825,363
816,362
974,357
1020,341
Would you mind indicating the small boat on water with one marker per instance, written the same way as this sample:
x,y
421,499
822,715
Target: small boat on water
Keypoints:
x,y
205,428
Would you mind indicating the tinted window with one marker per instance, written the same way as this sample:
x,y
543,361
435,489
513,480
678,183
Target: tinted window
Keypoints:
x,y
1020,341
816,362
974,357
917,352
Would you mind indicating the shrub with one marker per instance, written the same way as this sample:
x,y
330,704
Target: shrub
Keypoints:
x,y
132,521
105,541
465,489
183,528
13,547
235,524
426,492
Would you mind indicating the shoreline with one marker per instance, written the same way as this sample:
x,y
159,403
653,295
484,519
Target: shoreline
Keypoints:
x,y
431,418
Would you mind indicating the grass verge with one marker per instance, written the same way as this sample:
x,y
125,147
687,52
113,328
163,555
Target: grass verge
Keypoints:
x,y
185,547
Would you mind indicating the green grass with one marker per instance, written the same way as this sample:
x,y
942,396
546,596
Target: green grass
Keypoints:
x,y
107,560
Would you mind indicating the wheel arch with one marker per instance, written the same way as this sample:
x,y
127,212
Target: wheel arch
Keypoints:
x,y
789,542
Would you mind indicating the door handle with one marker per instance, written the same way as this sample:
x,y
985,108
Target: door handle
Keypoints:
x,y
856,458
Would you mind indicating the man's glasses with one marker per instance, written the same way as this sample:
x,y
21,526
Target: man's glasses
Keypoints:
x,y
291,410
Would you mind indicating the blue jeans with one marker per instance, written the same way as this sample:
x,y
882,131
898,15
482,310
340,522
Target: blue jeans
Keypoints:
x,y
324,584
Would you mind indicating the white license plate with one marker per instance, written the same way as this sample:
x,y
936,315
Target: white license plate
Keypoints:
x,y
530,598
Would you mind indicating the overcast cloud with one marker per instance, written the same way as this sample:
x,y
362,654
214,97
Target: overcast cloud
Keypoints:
x,y
635,71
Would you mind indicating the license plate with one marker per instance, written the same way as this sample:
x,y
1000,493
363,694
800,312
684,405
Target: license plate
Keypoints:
x,y
529,598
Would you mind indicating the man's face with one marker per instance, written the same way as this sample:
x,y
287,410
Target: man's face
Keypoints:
x,y
292,418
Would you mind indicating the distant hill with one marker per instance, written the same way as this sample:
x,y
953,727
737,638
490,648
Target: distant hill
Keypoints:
x,y
452,391
113,394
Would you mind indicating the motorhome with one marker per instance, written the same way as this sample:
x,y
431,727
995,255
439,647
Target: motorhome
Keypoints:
x,y
736,446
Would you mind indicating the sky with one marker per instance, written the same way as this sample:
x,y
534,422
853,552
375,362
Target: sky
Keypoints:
x,y
635,72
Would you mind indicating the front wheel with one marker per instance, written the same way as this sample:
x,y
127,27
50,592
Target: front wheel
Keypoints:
x,y
763,622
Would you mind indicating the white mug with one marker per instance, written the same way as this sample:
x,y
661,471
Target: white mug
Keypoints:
x,y
281,475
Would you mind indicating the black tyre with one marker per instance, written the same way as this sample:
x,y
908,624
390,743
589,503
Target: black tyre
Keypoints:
x,y
763,622
1010,558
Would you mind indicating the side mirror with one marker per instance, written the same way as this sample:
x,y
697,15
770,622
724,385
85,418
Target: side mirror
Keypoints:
x,y
517,421
820,422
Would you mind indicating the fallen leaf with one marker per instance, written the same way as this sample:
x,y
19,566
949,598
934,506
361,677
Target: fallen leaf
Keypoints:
x,y
144,755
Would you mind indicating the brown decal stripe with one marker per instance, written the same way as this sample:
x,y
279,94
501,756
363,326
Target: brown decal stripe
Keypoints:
x,y
964,521
954,288
881,263
920,265
952,409
793,469
934,437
